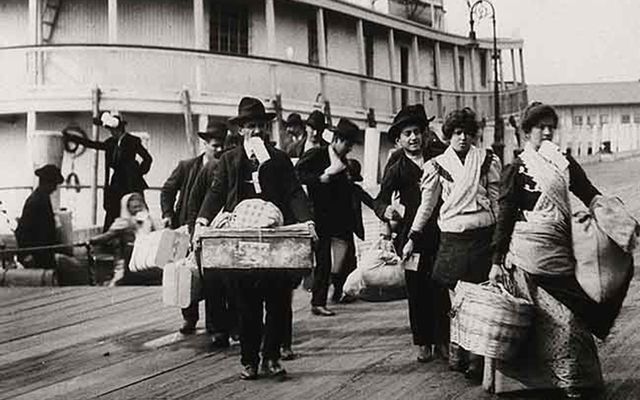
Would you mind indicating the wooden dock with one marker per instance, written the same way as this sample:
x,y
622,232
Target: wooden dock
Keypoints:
x,y
122,343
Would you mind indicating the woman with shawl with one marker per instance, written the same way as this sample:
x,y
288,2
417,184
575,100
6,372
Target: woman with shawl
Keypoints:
x,y
134,220
534,252
465,179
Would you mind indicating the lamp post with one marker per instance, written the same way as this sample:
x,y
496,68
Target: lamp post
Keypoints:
x,y
480,7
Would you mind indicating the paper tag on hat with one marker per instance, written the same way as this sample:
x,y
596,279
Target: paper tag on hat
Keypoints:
x,y
258,148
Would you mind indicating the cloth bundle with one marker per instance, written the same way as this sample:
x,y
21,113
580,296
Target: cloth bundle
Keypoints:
x,y
380,267
603,243
251,213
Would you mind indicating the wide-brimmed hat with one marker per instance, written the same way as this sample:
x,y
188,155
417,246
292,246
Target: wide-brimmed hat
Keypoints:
x,y
50,174
413,114
317,121
347,130
251,108
355,169
294,119
110,120
215,130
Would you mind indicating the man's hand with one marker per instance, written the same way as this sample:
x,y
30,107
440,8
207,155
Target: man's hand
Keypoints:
x,y
325,178
407,250
497,274
199,228
312,232
390,213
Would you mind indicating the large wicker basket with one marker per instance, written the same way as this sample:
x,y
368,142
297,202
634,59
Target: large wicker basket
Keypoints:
x,y
247,249
487,320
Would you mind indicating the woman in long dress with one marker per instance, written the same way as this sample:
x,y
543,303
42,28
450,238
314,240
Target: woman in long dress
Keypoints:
x,y
533,250
465,180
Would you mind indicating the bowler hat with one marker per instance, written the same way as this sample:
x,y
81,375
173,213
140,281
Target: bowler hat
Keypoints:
x,y
294,119
215,130
413,114
317,121
251,108
347,130
355,169
50,174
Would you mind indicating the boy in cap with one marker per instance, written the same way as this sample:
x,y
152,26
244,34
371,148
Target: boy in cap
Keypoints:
x,y
312,136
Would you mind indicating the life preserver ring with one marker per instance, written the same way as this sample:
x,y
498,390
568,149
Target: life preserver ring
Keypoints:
x,y
71,146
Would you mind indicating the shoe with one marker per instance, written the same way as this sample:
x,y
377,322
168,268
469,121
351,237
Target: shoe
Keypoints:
x,y
188,328
441,351
272,369
249,373
235,337
322,311
287,354
573,393
337,295
424,354
219,343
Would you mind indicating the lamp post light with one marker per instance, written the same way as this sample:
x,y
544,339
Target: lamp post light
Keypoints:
x,y
481,8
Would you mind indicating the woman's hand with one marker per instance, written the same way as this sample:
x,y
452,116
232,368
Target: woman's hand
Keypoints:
x,y
407,250
497,274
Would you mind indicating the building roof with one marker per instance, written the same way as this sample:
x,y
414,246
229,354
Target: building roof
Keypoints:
x,y
571,94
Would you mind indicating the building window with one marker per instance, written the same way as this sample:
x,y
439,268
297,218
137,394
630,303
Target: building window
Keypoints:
x,y
591,120
368,53
577,119
229,29
636,118
483,68
626,118
604,119
312,39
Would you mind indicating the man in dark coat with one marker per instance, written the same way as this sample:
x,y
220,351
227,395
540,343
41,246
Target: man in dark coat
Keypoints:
x,y
312,136
428,302
324,171
241,175
37,227
120,156
175,213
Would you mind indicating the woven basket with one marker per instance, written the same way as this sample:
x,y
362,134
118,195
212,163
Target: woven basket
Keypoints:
x,y
487,320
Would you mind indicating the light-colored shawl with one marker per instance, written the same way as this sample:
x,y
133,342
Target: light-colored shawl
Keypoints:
x,y
541,244
466,180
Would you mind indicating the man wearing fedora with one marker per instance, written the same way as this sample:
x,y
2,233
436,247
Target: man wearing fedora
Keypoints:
x,y
324,171
428,303
37,227
294,126
258,170
311,136
120,156
180,184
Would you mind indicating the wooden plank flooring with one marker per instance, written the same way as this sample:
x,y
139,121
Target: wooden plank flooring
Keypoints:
x,y
121,343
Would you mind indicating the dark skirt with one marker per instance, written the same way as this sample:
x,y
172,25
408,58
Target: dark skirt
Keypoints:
x,y
463,256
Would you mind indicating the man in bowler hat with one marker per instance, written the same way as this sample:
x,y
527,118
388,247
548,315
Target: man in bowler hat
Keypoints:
x,y
324,171
241,175
121,150
180,185
312,136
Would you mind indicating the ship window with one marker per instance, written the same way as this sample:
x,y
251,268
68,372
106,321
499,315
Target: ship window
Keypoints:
x,y
483,69
312,39
577,119
229,29
368,53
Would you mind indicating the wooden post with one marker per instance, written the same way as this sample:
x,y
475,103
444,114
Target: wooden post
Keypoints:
x,y
95,136
199,42
415,53
456,69
185,100
362,66
112,17
371,151
392,68
513,67
521,67
322,51
437,64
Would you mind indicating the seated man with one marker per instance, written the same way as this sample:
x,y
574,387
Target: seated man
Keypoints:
x,y
37,227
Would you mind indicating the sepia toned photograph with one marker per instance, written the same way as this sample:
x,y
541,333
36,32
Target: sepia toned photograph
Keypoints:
x,y
323,200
